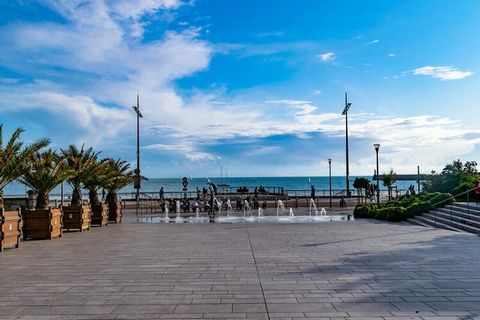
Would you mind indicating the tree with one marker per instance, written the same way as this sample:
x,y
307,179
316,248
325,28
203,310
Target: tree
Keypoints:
x,y
455,178
361,184
14,157
119,176
96,177
45,171
388,180
79,160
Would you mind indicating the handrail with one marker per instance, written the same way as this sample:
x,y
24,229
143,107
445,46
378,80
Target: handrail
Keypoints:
x,y
453,197
434,206
146,195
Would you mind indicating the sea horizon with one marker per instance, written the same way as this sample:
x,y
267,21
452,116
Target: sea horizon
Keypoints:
x,y
175,184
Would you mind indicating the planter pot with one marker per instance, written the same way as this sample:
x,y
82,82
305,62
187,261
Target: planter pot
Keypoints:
x,y
9,229
100,214
42,223
76,217
115,213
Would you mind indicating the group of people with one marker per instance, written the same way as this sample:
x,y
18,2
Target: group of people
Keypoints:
x,y
410,191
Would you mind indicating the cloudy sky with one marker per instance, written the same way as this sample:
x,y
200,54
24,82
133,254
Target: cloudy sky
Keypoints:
x,y
254,86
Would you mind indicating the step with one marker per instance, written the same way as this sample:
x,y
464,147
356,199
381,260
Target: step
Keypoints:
x,y
418,222
466,207
438,224
460,214
440,218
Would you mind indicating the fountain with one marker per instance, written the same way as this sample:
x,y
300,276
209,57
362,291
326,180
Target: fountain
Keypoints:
x,y
323,212
197,210
177,205
260,212
219,205
246,207
280,207
312,207
291,212
229,207
166,213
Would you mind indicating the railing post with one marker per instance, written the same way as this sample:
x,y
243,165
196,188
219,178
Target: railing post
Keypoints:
x,y
468,203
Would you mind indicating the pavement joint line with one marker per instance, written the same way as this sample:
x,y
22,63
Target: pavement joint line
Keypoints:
x,y
258,274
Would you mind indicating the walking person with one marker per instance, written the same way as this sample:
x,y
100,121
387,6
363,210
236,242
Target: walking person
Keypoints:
x,y
160,193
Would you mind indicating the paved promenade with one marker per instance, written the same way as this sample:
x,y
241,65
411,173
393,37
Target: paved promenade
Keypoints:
x,y
350,270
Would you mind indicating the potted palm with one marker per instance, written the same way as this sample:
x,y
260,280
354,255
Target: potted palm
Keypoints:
x,y
45,171
119,177
96,178
77,215
13,160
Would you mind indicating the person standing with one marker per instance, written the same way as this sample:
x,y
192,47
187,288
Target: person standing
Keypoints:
x,y
312,192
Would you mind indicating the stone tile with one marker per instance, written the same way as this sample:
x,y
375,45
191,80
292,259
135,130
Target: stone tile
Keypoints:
x,y
363,269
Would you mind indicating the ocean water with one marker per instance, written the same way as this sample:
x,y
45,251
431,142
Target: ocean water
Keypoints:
x,y
321,184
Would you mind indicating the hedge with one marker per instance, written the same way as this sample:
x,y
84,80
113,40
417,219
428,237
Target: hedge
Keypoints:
x,y
403,209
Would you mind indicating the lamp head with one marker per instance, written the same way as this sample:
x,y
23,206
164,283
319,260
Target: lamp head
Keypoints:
x,y
329,160
137,110
376,146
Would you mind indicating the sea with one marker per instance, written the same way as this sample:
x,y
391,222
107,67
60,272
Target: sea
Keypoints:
x,y
298,184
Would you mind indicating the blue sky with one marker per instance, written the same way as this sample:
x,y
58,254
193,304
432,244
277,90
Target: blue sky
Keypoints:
x,y
254,86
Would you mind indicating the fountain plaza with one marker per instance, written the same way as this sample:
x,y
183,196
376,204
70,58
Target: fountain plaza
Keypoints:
x,y
360,269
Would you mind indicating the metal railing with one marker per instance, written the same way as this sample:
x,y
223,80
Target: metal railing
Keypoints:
x,y
450,200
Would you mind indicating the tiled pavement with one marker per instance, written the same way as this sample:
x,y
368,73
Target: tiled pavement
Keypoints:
x,y
349,270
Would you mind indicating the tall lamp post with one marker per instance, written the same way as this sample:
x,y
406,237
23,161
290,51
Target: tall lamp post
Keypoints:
x,y
377,146
137,177
330,179
345,113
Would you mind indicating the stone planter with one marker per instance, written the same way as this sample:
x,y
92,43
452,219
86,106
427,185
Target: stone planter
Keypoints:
x,y
42,223
76,217
100,214
115,213
9,229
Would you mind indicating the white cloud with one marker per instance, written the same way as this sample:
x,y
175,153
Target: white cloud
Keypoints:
x,y
288,102
372,42
102,42
391,55
327,56
442,73
185,149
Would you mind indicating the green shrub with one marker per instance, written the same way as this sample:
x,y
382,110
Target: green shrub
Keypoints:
x,y
364,211
402,210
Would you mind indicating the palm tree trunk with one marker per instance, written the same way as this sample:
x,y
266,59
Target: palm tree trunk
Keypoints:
x,y
93,196
76,197
42,201
1,199
111,199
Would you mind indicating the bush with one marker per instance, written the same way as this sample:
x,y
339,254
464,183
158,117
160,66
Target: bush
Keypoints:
x,y
364,211
402,210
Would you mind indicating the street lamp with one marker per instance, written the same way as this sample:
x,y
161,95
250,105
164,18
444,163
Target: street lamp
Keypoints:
x,y
377,146
330,179
345,113
137,177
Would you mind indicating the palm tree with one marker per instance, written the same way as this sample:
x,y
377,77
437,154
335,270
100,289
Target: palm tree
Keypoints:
x,y
96,177
14,157
388,181
46,171
119,176
79,160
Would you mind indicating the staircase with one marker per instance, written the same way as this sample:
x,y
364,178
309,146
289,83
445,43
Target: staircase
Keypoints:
x,y
459,216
